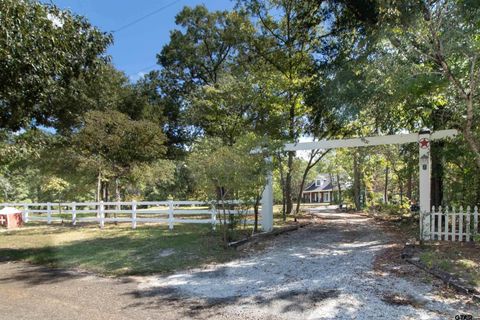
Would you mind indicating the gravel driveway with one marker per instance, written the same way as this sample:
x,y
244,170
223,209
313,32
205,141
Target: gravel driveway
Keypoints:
x,y
325,271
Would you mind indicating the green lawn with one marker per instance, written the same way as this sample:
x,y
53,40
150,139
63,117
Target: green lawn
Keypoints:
x,y
116,250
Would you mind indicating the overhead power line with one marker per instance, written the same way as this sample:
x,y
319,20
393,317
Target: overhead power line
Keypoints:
x,y
145,16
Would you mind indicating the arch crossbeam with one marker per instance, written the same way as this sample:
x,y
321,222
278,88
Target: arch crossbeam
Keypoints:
x,y
366,141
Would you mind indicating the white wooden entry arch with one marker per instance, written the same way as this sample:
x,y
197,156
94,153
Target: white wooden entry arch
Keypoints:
x,y
423,139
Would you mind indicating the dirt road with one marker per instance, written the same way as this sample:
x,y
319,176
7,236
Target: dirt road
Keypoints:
x,y
325,271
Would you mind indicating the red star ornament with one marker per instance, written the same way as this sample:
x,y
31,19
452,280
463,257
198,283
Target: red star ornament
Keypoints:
x,y
424,143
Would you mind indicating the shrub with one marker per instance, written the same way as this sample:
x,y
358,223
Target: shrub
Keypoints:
x,y
393,209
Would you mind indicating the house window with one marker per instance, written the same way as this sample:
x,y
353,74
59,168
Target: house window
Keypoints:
x,y
326,197
318,182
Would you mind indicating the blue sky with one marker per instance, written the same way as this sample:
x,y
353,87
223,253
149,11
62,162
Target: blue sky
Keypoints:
x,y
135,47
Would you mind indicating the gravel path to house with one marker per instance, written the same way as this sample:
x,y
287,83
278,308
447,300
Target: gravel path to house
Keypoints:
x,y
324,271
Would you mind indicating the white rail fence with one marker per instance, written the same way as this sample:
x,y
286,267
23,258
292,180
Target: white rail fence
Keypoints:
x,y
450,224
168,212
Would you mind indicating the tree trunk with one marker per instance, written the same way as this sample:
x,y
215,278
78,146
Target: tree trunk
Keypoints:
x,y
105,194
282,185
99,187
385,190
221,200
302,185
356,182
401,192
255,210
339,189
37,193
436,181
288,184
118,197
409,184
291,154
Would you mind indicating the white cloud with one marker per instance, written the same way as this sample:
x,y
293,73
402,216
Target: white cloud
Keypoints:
x,y
137,76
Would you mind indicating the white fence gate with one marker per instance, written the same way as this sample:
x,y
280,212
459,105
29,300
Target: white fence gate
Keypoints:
x,y
168,212
449,224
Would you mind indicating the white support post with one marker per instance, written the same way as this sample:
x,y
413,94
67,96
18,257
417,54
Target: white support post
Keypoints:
x,y
49,213
102,215
25,213
170,215
74,213
424,176
134,214
267,203
214,216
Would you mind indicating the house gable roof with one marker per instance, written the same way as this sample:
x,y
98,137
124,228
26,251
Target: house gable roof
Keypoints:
x,y
324,187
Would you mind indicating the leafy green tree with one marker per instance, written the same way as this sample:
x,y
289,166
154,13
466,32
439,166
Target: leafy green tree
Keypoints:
x,y
284,39
224,172
443,36
197,55
115,145
163,108
42,50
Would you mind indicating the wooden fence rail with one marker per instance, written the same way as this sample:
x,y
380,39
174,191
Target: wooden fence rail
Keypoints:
x,y
450,224
168,212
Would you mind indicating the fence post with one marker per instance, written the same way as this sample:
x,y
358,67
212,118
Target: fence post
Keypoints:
x,y
134,214
475,222
102,215
49,213
431,218
454,223
214,216
439,223
170,214
25,213
445,228
468,226
460,225
74,213
118,207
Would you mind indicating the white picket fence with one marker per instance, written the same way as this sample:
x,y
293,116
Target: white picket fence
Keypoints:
x,y
449,224
167,212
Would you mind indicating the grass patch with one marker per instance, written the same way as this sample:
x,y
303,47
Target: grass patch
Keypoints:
x,y
460,259
119,250
116,250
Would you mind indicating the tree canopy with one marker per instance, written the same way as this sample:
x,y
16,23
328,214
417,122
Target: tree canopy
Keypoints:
x,y
260,75
42,51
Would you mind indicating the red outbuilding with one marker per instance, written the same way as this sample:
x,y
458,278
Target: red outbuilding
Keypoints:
x,y
10,218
